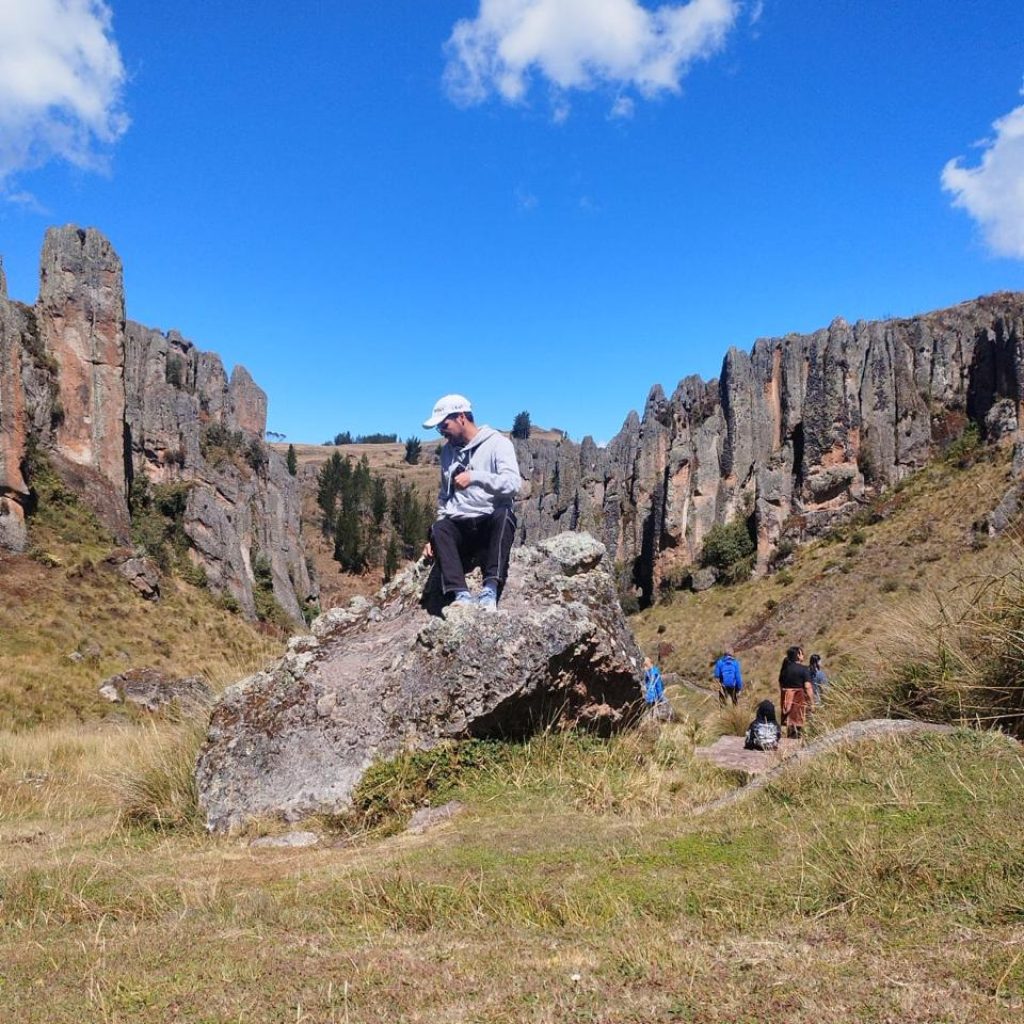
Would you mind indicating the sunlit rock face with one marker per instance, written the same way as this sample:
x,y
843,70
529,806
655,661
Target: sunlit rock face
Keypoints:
x,y
112,403
401,673
794,435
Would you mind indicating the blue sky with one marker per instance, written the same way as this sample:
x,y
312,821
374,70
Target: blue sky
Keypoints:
x,y
548,205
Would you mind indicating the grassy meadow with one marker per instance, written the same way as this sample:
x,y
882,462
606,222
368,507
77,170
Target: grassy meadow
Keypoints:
x,y
880,882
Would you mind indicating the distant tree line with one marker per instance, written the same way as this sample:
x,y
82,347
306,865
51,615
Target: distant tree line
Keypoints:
x,y
345,437
373,524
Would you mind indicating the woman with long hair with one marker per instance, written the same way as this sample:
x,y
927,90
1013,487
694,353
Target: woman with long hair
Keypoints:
x,y
795,692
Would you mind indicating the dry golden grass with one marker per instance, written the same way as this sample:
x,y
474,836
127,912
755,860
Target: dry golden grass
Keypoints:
x,y
837,590
48,614
544,901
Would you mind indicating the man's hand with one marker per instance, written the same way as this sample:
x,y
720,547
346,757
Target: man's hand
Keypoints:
x,y
463,480
428,551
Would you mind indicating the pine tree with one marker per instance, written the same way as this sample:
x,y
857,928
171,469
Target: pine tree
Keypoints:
x,y
291,460
521,426
328,488
391,559
378,500
413,449
349,551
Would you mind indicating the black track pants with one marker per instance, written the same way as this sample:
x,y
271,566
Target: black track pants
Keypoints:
x,y
459,543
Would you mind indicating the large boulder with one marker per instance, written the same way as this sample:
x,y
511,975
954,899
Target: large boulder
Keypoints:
x,y
394,674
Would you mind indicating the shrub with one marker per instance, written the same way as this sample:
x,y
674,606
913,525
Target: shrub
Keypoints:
x,y
413,449
963,451
256,455
174,371
728,544
954,658
729,548
292,460
158,520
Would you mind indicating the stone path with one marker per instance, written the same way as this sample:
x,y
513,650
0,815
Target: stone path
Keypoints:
x,y
728,752
768,765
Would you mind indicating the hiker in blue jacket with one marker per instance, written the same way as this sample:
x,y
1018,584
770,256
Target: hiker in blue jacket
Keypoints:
x,y
729,676
654,691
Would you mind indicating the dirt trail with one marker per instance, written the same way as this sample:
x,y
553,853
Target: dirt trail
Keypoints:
x,y
765,767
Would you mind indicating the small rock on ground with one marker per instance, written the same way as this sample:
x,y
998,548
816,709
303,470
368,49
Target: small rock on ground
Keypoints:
x,y
289,839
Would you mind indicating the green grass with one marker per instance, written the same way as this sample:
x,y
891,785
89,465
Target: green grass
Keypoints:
x,y
893,869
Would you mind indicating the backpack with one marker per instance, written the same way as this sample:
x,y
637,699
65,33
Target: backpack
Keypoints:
x,y
729,676
763,736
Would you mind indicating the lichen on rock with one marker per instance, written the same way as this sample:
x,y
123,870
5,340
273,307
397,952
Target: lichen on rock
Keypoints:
x,y
393,674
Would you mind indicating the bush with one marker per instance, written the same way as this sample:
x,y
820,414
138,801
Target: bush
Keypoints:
x,y
413,449
174,371
158,520
728,544
963,451
954,658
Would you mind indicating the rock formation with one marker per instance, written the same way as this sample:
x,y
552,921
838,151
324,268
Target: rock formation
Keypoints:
x,y
794,435
388,675
114,404
154,690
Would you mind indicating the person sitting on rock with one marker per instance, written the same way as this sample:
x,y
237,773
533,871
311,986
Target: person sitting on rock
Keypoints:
x,y
764,732
479,481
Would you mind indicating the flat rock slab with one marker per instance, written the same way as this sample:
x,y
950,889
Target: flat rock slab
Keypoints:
x,y
290,840
728,752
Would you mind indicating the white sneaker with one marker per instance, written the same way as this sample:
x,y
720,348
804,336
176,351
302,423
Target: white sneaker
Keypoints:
x,y
488,600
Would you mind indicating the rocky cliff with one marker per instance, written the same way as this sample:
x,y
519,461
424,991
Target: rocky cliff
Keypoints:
x,y
793,435
115,405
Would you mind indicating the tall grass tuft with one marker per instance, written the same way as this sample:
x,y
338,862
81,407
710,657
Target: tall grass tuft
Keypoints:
x,y
156,785
955,658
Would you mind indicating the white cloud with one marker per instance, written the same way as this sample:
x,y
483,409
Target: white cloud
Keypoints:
x,y
581,44
623,107
61,83
993,192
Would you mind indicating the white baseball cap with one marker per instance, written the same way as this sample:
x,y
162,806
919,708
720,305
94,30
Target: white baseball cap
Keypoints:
x,y
447,406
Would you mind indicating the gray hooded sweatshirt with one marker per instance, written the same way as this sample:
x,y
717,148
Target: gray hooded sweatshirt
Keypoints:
x,y
491,461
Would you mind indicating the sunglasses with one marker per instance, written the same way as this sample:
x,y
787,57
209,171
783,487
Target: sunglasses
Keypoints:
x,y
452,416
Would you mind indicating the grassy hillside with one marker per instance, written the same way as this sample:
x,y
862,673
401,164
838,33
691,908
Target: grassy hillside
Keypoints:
x,y
878,882
68,620
847,596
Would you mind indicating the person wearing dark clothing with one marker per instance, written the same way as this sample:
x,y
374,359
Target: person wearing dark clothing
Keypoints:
x,y
763,733
729,676
479,481
795,692
818,678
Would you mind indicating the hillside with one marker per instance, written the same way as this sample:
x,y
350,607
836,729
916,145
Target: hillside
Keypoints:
x,y
843,594
68,620
386,461
575,878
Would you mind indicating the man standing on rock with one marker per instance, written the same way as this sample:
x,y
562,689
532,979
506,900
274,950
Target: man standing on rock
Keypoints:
x,y
479,480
